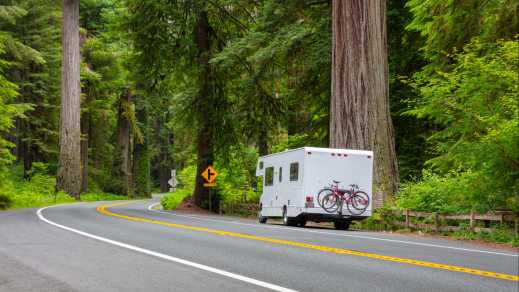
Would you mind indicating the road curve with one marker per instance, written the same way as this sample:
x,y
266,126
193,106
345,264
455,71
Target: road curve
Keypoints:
x,y
129,247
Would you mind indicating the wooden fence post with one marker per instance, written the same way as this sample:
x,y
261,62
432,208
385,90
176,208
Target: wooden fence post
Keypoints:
x,y
407,218
516,225
436,222
472,220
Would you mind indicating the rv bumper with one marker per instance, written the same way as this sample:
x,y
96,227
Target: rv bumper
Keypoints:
x,y
322,217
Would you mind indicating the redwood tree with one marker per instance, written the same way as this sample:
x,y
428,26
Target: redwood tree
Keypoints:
x,y
69,172
359,106
205,146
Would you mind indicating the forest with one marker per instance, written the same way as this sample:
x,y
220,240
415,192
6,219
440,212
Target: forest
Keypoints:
x,y
103,98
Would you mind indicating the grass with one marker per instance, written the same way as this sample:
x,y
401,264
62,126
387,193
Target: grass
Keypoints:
x,y
171,201
90,197
40,191
498,235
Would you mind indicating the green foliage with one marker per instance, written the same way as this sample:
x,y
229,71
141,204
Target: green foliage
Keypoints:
x,y
8,111
100,196
448,194
5,202
498,235
37,192
476,105
448,25
186,179
39,189
33,50
171,201
237,174
187,176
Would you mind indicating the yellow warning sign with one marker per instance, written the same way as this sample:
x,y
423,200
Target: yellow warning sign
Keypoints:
x,y
209,174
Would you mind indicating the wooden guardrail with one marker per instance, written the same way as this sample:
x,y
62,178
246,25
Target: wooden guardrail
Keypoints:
x,y
440,219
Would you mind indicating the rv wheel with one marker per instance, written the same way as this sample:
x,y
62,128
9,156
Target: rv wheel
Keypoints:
x,y
287,220
341,225
262,219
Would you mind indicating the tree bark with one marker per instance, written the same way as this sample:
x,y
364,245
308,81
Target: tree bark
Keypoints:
x,y
165,163
205,147
85,133
142,156
69,169
263,146
123,160
359,105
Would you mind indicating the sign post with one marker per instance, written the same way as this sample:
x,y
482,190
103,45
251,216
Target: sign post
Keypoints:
x,y
173,181
209,174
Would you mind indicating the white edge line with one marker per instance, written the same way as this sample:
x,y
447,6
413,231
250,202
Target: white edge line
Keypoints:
x,y
150,208
167,257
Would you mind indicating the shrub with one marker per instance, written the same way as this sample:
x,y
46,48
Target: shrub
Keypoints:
x,y
172,200
5,202
449,193
100,196
237,175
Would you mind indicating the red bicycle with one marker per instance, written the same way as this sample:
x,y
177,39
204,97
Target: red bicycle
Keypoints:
x,y
332,199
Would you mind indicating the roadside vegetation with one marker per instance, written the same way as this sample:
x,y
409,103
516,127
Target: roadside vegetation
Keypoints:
x,y
39,190
255,79
382,221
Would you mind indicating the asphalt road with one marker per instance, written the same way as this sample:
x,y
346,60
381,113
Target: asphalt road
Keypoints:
x,y
129,247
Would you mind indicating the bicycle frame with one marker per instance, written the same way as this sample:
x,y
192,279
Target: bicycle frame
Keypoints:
x,y
340,194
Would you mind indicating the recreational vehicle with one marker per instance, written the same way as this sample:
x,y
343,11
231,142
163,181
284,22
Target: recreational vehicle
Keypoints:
x,y
316,184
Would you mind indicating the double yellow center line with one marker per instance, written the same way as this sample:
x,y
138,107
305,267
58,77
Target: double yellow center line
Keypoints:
x,y
104,209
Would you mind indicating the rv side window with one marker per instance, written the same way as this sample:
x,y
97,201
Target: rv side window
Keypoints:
x,y
269,176
294,171
280,174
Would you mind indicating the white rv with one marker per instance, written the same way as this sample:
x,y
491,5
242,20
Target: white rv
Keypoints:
x,y
293,179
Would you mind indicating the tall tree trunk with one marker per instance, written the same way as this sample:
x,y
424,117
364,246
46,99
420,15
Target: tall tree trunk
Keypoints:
x,y
69,171
123,159
359,106
165,163
85,139
205,146
263,147
142,156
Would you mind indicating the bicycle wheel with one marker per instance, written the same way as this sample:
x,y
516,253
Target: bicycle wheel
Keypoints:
x,y
358,203
331,203
322,194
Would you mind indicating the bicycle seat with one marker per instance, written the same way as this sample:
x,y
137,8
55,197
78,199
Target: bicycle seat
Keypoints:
x,y
336,182
356,186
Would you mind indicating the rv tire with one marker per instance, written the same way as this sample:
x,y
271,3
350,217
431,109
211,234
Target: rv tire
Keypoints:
x,y
342,225
288,221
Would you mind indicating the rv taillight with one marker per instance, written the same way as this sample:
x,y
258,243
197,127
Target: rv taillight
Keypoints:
x,y
339,154
369,156
308,153
309,199
333,154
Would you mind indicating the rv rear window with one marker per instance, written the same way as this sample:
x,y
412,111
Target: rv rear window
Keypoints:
x,y
280,174
261,165
269,176
294,171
